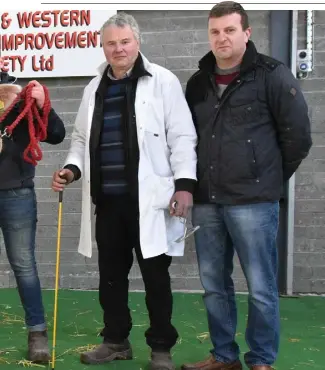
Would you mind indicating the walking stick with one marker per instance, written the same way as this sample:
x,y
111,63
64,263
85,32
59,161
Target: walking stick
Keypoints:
x,y
57,277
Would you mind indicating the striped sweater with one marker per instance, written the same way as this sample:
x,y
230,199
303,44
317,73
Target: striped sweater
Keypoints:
x,y
112,155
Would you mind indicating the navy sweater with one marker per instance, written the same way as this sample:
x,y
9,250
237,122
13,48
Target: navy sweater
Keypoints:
x,y
112,154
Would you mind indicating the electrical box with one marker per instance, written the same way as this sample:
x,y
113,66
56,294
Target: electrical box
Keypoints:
x,y
304,62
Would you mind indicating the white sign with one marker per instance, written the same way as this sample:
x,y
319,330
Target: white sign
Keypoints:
x,y
52,43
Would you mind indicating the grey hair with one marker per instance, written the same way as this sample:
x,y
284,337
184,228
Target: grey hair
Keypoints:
x,y
122,19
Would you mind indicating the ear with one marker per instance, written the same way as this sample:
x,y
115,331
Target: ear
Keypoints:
x,y
248,33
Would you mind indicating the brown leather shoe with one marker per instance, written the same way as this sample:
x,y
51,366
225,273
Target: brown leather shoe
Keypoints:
x,y
261,367
212,364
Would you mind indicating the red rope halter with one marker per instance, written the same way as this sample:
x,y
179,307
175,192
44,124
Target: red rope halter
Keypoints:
x,y
37,131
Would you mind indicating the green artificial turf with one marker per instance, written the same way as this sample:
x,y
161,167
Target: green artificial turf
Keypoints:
x,y
79,321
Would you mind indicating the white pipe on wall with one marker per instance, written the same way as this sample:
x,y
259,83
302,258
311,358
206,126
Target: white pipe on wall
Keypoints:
x,y
310,36
291,185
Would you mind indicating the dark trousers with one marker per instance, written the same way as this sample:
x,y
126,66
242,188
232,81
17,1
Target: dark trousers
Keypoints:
x,y
117,233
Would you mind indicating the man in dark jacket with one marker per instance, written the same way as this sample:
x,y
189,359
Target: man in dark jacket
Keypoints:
x,y
254,131
18,215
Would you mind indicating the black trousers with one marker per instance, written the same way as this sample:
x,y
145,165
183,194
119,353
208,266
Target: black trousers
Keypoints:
x,y
117,234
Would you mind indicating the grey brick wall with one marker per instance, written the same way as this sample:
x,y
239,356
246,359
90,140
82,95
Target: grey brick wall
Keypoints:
x,y
309,256
177,40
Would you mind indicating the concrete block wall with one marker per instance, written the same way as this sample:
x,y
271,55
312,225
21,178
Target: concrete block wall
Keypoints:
x,y
176,40
309,256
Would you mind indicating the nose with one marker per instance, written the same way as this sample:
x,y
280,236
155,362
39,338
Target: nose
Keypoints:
x,y
118,48
222,37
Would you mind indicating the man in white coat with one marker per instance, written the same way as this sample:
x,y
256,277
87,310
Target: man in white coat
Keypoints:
x,y
134,146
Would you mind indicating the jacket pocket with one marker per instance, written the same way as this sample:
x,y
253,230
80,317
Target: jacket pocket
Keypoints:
x,y
238,162
164,188
244,114
157,152
246,94
244,105
251,152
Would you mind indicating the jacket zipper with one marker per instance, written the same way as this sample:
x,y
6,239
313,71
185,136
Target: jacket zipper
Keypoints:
x,y
229,90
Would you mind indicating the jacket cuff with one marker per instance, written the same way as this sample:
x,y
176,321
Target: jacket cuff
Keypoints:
x,y
289,169
75,170
185,185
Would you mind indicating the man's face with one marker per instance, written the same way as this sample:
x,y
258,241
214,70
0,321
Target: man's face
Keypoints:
x,y
227,37
120,46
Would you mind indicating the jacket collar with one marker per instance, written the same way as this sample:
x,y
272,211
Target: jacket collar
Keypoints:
x,y
208,62
140,69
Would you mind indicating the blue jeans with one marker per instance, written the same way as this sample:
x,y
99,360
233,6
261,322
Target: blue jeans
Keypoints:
x,y
18,218
251,231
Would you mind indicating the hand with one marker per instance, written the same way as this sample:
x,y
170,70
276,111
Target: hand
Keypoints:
x,y
184,201
38,93
61,179
2,63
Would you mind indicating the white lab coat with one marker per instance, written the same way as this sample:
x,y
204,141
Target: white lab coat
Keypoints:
x,y
160,109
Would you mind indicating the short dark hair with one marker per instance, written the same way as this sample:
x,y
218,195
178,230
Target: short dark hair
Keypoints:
x,y
230,7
